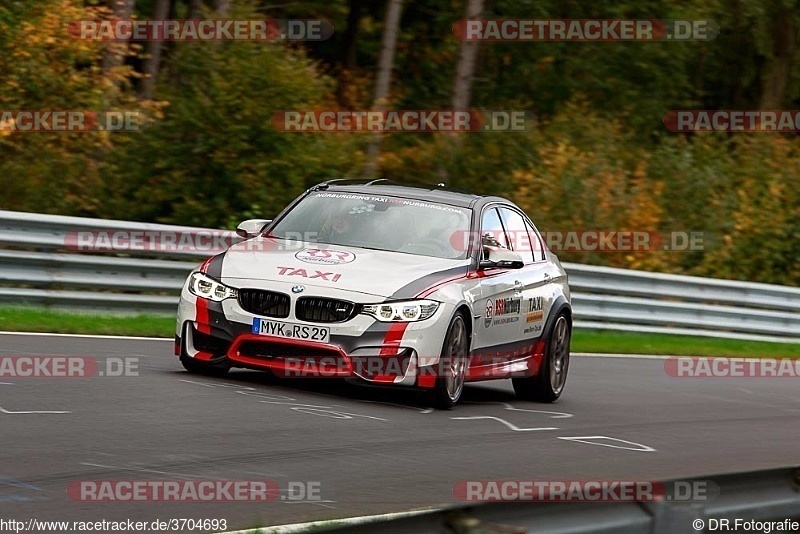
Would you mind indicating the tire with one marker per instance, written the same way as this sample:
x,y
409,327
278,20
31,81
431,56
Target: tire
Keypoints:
x,y
455,361
548,384
201,368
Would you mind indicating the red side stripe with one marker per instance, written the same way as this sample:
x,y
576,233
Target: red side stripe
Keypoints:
x,y
392,339
201,307
426,380
472,274
384,379
431,288
203,356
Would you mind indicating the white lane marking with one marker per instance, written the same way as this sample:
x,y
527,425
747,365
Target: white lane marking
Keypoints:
x,y
240,389
332,523
318,503
507,406
90,336
140,470
322,411
503,421
267,396
284,400
6,383
198,383
555,415
14,483
595,440
231,386
749,402
415,408
629,356
3,410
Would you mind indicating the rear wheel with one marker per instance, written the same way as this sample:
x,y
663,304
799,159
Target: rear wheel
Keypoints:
x,y
452,365
548,384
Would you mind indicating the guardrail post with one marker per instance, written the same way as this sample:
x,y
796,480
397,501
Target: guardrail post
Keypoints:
x,y
671,517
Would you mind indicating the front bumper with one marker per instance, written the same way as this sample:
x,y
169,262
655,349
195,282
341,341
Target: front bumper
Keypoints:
x,y
362,347
296,358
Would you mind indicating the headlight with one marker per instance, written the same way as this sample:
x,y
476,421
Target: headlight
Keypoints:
x,y
207,288
401,311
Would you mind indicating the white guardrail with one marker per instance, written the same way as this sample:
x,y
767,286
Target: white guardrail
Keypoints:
x,y
40,265
760,501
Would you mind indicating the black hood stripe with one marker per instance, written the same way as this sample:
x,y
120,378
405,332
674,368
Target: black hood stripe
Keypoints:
x,y
213,267
412,289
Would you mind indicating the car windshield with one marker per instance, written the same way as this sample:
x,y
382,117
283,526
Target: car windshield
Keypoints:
x,y
376,222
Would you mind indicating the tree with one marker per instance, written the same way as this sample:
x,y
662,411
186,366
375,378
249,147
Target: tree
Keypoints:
x,y
222,7
152,63
349,47
120,9
779,68
195,9
465,70
467,56
385,65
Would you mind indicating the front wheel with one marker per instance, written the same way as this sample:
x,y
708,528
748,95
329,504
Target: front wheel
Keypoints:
x,y
548,384
201,368
452,366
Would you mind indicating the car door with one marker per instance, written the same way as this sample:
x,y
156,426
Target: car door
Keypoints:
x,y
534,277
498,312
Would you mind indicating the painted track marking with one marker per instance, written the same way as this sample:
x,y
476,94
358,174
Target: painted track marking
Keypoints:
x,y
29,412
596,440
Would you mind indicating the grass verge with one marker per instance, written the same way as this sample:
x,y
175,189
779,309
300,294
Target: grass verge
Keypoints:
x,y
641,343
66,322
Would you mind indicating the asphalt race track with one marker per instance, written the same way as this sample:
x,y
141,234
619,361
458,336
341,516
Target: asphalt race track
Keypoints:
x,y
372,450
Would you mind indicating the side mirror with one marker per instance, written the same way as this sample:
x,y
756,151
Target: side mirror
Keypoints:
x,y
251,227
500,258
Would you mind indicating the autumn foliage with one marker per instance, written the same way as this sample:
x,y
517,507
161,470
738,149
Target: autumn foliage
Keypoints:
x,y
599,158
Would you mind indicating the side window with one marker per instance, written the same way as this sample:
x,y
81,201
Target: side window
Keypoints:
x,y
518,234
492,232
537,240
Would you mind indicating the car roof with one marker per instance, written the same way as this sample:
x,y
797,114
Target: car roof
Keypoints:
x,y
430,193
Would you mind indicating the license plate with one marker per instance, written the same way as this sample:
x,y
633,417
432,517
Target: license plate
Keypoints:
x,y
290,330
